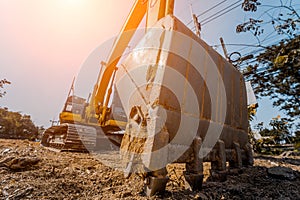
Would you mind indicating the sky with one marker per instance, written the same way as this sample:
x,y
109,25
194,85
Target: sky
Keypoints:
x,y
44,44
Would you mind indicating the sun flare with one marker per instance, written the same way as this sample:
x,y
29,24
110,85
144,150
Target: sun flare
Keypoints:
x,y
73,2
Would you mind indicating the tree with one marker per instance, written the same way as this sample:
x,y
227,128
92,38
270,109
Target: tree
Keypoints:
x,y
281,79
280,130
283,17
275,72
270,140
2,83
16,126
296,138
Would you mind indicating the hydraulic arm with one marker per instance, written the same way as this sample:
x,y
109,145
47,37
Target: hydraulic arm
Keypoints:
x,y
154,10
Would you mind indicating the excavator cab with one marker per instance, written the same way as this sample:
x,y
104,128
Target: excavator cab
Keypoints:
x,y
73,110
79,129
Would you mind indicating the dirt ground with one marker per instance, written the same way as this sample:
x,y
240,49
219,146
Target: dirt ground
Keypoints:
x,y
28,171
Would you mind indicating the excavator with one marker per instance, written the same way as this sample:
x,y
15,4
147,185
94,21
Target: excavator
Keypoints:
x,y
184,103
79,130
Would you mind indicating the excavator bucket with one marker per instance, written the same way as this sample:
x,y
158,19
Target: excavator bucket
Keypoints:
x,y
185,104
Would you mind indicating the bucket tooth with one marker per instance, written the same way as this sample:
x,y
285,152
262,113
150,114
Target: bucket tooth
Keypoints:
x,y
249,154
194,180
218,167
237,161
218,175
155,185
222,156
194,169
219,163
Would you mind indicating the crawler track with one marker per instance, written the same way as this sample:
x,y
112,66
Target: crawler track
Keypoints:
x,y
70,137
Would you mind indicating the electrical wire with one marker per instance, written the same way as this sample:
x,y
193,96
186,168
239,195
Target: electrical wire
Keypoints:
x,y
226,10
223,12
206,11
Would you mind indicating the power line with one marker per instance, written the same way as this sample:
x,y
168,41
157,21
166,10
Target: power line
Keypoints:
x,y
248,45
262,71
223,12
227,10
253,52
249,78
206,11
270,44
203,22
267,38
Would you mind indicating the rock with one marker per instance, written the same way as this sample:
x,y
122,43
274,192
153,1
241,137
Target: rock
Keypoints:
x,y
201,196
4,193
5,160
53,178
19,163
273,163
126,194
281,173
19,194
5,151
289,154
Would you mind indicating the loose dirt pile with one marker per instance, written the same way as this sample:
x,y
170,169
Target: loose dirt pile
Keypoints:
x,y
28,171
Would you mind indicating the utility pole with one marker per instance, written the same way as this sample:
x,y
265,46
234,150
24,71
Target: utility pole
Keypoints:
x,y
224,49
196,22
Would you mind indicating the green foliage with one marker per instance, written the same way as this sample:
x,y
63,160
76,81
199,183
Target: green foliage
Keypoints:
x,y
275,72
16,126
250,5
2,83
252,112
281,80
283,17
273,138
279,132
296,139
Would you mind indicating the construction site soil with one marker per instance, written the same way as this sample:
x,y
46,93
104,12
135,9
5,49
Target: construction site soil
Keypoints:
x,y
29,171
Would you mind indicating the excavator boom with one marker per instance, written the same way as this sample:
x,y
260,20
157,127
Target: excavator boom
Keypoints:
x,y
154,12
134,19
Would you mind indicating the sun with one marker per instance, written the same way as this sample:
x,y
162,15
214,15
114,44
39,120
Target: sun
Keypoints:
x,y
73,2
